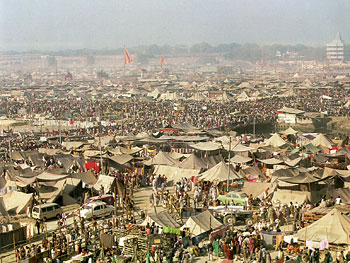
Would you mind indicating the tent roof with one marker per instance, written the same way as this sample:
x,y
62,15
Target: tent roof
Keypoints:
x,y
121,158
334,226
106,181
206,146
17,202
201,223
275,141
287,196
220,172
193,162
240,159
256,189
322,140
175,173
163,219
271,161
302,179
344,194
289,131
161,159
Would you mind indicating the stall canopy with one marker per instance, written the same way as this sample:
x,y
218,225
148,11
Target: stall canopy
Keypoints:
x,y
201,223
162,219
121,158
220,172
334,226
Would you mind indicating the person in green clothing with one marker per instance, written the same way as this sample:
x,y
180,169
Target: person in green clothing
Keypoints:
x,y
216,248
328,257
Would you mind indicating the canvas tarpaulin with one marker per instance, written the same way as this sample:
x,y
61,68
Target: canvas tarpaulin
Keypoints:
x,y
174,173
17,202
271,161
303,178
161,158
121,158
287,196
256,189
220,172
87,177
201,223
334,226
162,219
193,162
106,181
206,146
344,194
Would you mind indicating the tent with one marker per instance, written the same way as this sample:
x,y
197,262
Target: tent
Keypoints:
x,y
162,219
304,178
220,172
121,158
17,202
344,194
271,161
334,226
206,146
289,131
161,159
3,211
240,159
275,141
287,196
107,182
193,162
322,140
257,189
174,173
201,223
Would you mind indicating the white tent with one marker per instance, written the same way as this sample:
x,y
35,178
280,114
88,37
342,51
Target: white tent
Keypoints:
x,y
334,226
220,172
322,140
161,159
201,223
162,219
106,181
275,141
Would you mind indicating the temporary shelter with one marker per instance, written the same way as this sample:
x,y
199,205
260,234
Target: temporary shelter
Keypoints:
x,y
201,223
193,162
162,219
322,140
334,226
275,141
220,172
161,159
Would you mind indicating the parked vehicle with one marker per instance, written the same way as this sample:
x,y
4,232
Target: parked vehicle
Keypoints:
x,y
47,211
96,209
108,199
231,214
234,198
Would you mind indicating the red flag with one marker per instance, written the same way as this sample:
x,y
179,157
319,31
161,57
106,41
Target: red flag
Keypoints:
x,y
162,60
127,57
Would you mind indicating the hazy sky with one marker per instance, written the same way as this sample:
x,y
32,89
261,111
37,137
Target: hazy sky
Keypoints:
x,y
60,24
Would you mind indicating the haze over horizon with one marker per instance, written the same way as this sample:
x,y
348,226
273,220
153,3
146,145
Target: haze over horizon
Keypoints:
x,y
64,24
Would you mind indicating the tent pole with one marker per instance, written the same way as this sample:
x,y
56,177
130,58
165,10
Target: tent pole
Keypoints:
x,y
229,165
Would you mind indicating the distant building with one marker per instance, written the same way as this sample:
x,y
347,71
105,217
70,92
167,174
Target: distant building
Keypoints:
x,y
337,50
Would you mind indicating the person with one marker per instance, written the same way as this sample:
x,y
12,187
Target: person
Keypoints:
x,y
341,257
37,224
338,200
328,257
210,251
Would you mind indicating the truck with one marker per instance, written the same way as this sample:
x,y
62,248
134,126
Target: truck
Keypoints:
x,y
229,215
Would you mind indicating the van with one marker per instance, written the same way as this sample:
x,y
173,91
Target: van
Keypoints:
x,y
47,211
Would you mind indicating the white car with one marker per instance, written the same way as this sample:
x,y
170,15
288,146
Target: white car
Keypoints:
x,y
96,209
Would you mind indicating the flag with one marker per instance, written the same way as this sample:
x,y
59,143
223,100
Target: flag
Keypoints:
x,y
127,57
162,60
